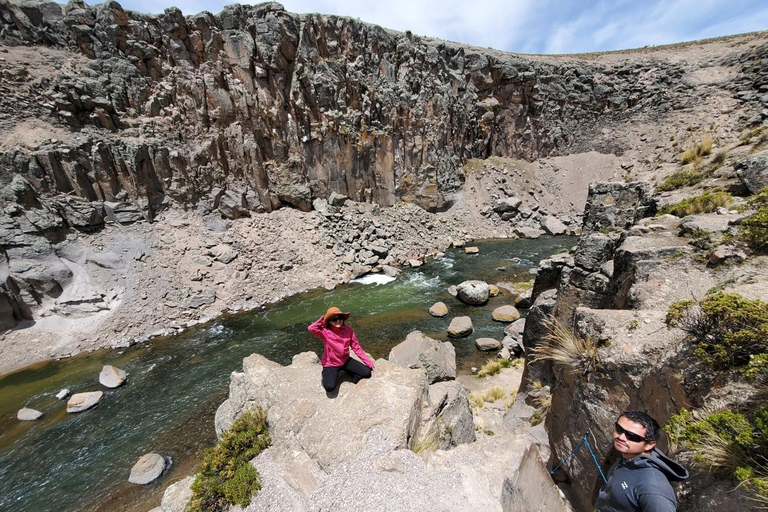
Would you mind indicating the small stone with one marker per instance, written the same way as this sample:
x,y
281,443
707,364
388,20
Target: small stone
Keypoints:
x,y
27,414
148,469
460,327
505,314
487,344
81,401
112,377
493,290
471,250
438,309
64,393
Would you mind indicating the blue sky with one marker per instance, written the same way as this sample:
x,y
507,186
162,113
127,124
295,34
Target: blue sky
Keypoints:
x,y
532,26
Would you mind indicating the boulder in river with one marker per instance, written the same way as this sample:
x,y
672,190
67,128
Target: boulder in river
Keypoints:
x,y
419,351
64,393
487,344
27,414
473,292
460,327
82,401
111,376
147,469
505,314
438,309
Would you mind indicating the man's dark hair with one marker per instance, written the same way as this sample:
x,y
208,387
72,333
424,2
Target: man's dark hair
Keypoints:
x,y
652,427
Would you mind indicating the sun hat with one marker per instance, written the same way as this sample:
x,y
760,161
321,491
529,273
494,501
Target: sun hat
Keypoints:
x,y
332,312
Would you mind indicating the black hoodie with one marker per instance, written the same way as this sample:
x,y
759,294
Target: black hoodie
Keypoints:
x,y
641,484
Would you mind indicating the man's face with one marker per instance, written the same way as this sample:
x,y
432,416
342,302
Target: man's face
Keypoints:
x,y
629,448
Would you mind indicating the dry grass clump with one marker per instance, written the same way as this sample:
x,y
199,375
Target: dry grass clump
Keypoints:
x,y
542,404
428,443
478,399
492,367
680,179
698,151
561,346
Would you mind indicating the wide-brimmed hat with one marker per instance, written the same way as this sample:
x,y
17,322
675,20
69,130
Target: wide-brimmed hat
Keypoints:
x,y
332,312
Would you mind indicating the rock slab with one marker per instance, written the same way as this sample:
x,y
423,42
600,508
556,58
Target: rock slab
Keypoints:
x,y
79,402
419,351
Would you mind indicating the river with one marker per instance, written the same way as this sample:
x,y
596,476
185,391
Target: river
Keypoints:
x,y
81,462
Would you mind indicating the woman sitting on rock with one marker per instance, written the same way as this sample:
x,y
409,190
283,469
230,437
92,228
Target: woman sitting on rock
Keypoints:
x,y
337,338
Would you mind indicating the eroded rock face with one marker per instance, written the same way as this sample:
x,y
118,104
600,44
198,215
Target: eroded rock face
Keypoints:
x,y
419,351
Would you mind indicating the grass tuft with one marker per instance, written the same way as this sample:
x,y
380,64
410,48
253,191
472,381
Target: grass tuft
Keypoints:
x,y
707,202
561,346
493,367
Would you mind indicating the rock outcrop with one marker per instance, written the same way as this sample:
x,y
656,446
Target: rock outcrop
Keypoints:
x,y
408,445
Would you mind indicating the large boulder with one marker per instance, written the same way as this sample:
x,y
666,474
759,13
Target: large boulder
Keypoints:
x,y
487,344
473,292
460,327
418,351
553,225
383,412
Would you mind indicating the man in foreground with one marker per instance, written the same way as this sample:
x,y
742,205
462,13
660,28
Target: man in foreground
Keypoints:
x,y
640,479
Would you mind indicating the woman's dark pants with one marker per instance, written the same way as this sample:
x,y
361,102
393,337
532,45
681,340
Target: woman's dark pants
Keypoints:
x,y
352,366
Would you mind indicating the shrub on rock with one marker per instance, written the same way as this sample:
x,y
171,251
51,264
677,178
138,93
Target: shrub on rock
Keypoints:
x,y
226,476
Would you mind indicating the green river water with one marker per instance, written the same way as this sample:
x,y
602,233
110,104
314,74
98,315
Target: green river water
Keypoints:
x,y
81,462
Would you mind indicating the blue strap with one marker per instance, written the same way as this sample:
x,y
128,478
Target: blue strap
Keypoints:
x,y
584,440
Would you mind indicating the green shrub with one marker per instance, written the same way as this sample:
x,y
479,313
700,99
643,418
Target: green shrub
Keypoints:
x,y
705,203
726,327
680,179
727,442
754,230
225,475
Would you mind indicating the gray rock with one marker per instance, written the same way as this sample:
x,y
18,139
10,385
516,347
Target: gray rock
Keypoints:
x,y
527,232
79,402
516,328
419,351
390,271
177,496
453,412
553,225
197,301
753,171
27,414
147,469
227,257
460,327
507,204
487,344
64,393
112,377
473,292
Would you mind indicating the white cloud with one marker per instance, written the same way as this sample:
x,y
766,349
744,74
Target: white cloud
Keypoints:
x,y
529,26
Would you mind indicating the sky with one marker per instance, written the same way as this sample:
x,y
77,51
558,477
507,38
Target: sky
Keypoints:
x,y
531,26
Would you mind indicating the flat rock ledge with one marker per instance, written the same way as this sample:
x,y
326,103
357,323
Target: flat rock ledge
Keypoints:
x,y
367,435
111,376
147,469
79,402
27,414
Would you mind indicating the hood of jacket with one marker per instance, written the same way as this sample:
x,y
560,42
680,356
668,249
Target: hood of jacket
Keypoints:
x,y
657,459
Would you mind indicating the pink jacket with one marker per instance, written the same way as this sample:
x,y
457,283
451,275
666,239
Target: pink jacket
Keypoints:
x,y
337,343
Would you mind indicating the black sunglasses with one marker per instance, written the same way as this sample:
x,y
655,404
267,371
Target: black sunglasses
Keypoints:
x,y
635,438
337,318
